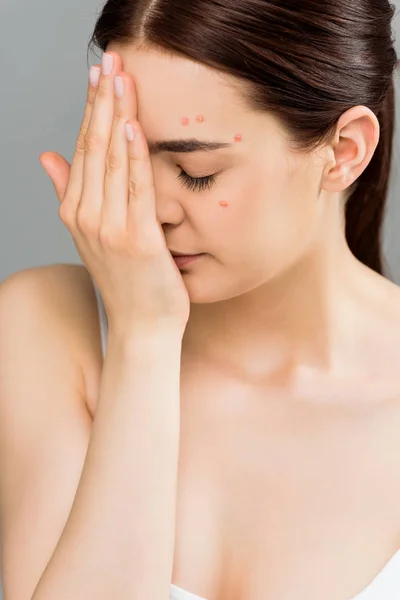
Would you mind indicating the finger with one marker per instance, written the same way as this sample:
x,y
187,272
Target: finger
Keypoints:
x,y
116,191
73,189
142,218
97,142
58,169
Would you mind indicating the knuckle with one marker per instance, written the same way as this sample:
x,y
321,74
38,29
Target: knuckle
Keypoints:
x,y
144,240
111,237
145,248
119,114
113,163
91,97
92,142
65,213
135,188
102,88
80,143
86,223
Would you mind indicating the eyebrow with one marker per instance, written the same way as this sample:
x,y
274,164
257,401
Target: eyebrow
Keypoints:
x,y
185,146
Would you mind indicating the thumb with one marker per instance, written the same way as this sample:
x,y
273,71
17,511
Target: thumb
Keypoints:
x,y
58,169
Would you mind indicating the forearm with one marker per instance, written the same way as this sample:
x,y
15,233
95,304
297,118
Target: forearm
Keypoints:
x,y
118,543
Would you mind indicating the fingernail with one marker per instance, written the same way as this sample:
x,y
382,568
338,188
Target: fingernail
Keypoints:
x,y
119,86
107,63
94,75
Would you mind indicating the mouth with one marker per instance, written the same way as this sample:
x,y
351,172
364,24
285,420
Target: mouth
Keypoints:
x,y
181,254
183,260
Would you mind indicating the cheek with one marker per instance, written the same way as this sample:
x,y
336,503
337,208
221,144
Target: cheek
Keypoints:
x,y
267,216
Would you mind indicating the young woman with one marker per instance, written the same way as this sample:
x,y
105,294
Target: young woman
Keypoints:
x,y
241,438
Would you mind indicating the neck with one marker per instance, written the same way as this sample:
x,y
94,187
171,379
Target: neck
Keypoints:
x,y
303,321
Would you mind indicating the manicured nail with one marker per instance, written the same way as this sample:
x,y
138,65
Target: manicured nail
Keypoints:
x,y
119,86
94,75
107,64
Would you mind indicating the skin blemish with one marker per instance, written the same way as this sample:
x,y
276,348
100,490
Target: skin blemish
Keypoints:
x,y
185,121
238,137
224,204
200,119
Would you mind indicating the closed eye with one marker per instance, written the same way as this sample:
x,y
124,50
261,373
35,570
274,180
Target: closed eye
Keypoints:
x,y
196,184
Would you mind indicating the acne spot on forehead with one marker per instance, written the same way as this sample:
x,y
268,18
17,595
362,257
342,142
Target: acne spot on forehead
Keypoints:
x,y
200,119
185,121
238,137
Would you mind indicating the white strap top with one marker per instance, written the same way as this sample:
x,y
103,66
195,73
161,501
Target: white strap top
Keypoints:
x,y
385,586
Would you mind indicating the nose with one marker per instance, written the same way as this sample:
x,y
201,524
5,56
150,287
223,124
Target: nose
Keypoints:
x,y
169,210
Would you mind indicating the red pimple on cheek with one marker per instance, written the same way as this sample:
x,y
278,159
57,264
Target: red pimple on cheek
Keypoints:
x,y
224,204
238,137
185,121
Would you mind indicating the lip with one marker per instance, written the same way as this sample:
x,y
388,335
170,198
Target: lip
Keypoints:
x,y
182,261
181,253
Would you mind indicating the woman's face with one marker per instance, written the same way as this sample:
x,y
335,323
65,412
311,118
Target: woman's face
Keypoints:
x,y
263,209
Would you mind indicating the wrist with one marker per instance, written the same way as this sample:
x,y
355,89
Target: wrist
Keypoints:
x,y
144,339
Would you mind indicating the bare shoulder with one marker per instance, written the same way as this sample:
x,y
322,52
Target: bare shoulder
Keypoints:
x,y
49,345
58,301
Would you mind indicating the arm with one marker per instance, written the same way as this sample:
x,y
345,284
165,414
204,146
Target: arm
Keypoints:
x,y
105,495
119,538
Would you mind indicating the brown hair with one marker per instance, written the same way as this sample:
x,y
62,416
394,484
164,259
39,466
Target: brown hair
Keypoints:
x,y
305,61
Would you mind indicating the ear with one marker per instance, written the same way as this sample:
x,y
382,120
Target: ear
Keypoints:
x,y
357,137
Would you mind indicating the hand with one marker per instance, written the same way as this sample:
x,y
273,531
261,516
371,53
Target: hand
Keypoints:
x,y
108,204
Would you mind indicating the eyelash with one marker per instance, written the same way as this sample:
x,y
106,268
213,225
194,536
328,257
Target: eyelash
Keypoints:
x,y
196,184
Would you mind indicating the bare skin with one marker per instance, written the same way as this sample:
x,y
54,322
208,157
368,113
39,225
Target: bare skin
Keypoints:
x,y
289,472
275,485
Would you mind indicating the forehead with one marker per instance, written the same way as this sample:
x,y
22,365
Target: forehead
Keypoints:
x,y
172,87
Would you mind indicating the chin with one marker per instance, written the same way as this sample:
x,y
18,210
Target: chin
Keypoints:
x,y
200,292
209,290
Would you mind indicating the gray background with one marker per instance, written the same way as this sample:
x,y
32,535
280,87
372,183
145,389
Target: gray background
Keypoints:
x,y
43,93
